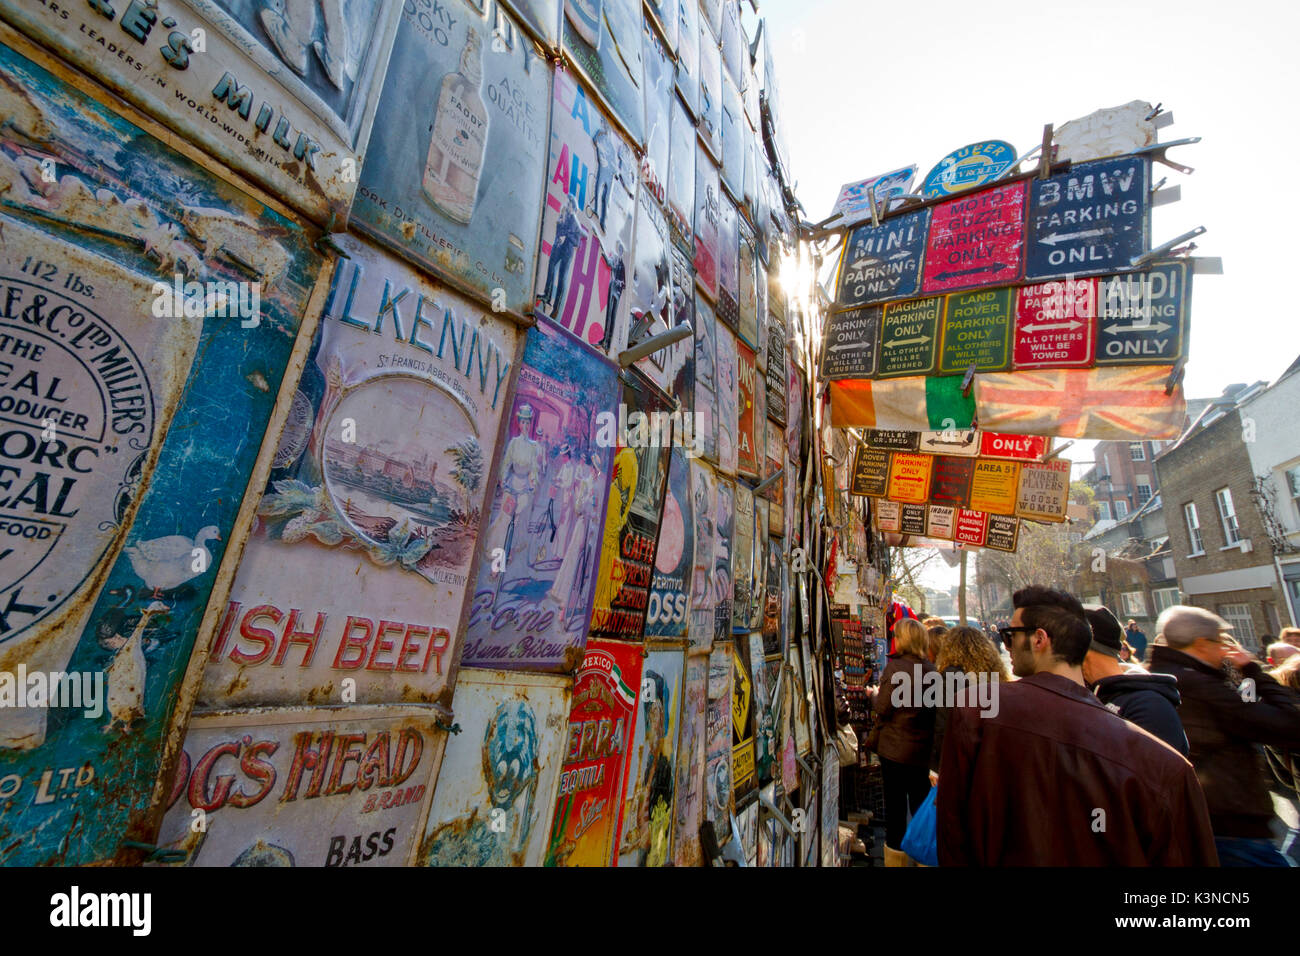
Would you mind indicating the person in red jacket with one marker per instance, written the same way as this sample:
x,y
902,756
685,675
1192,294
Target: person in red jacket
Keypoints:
x,y
1051,777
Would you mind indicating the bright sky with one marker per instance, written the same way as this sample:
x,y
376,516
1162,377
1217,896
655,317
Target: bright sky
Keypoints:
x,y
868,87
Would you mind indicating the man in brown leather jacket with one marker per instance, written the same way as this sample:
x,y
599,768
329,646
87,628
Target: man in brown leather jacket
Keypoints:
x,y
1056,779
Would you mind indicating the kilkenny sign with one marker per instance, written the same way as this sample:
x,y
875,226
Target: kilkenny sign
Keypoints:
x,y
909,337
883,262
977,331
1143,317
1054,324
870,472
968,167
851,340
976,240
1092,219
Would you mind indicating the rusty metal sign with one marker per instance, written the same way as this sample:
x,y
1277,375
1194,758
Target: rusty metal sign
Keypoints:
x,y
719,800
976,240
603,41
652,766
532,600
328,786
589,805
362,556
687,80
830,806
669,601
458,155
689,789
283,95
1093,219
540,17
742,558
682,150
495,794
129,273
728,401
704,587
710,102
708,224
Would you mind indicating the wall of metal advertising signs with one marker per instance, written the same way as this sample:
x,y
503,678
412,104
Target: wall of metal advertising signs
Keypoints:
x,y
347,518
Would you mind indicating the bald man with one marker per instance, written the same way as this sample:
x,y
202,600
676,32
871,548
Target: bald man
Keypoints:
x,y
1223,723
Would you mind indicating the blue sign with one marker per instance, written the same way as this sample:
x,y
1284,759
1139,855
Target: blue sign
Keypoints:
x,y
883,262
1142,319
1089,221
968,167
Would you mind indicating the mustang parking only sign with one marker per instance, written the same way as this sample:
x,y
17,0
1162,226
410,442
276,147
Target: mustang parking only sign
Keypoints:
x,y
1055,324
909,337
1142,318
883,262
968,167
852,338
1092,219
976,240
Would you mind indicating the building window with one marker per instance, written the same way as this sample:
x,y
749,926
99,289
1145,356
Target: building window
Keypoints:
x,y
1103,511
1293,487
1228,517
1121,509
1143,489
1270,612
1165,598
1243,628
1193,528
1136,451
1135,603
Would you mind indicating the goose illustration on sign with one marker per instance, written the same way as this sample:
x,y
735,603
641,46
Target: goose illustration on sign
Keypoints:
x,y
968,167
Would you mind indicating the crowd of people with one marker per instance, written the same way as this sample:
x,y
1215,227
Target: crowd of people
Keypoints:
x,y
1096,747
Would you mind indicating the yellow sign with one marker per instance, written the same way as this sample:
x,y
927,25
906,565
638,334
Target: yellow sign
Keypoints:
x,y
909,479
993,486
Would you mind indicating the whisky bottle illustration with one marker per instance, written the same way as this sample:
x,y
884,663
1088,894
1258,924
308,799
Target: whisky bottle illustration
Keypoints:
x,y
460,126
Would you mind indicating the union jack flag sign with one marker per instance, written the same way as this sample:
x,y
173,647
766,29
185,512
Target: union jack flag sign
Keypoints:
x,y
1101,403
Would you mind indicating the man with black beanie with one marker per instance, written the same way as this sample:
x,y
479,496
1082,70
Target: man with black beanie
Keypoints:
x,y
1148,700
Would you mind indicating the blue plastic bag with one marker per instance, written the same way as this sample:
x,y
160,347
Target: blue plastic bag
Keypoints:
x,y
921,842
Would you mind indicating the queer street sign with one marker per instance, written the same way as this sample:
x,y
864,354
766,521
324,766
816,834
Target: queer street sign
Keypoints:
x,y
1093,219
1143,317
883,262
969,167
851,340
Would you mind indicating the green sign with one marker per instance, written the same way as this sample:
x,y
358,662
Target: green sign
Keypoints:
x,y
909,335
977,331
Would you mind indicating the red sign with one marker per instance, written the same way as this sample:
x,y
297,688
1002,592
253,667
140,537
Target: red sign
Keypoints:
x,y
1055,324
976,240
1015,447
971,527
588,809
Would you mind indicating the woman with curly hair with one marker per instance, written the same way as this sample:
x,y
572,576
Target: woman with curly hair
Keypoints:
x,y
904,732
965,652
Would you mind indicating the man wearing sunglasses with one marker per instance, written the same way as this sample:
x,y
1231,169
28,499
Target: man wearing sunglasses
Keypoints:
x,y
1224,723
1056,779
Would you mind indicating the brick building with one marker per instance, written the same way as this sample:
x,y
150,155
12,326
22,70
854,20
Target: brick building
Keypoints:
x,y
1218,539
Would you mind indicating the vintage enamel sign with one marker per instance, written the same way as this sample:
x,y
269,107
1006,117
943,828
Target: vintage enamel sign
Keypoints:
x,y
315,787
603,41
976,240
689,789
909,337
129,274
1143,318
454,188
652,765
977,331
360,563
968,167
669,601
1055,324
852,341
495,794
883,262
853,205
1044,490
285,96
1093,219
